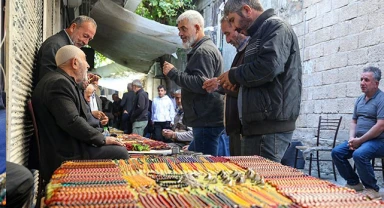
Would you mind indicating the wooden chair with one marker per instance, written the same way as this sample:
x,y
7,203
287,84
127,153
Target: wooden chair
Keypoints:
x,y
328,126
41,183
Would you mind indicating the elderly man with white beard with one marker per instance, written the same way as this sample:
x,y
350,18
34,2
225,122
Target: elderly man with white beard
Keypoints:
x,y
203,111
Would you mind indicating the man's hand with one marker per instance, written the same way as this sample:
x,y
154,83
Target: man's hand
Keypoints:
x,y
225,83
125,111
354,143
113,141
98,114
104,120
167,67
211,85
167,133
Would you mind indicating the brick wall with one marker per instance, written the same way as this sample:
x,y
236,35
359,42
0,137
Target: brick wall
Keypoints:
x,y
338,38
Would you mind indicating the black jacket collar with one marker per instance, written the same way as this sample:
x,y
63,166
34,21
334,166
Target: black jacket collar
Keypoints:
x,y
259,21
66,75
201,41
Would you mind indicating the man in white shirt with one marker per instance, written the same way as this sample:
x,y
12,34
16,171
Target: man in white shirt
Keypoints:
x,y
163,113
95,102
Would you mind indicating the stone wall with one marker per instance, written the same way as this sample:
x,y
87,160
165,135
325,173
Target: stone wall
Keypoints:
x,y
337,38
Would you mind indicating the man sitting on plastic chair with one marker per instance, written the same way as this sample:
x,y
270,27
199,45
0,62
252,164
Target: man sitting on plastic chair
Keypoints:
x,y
366,136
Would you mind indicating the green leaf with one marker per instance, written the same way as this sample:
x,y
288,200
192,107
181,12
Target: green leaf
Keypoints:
x,y
163,11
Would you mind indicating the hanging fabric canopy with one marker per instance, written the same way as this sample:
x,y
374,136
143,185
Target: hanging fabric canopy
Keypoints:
x,y
129,39
116,77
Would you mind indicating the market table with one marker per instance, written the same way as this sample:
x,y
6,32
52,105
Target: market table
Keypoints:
x,y
193,181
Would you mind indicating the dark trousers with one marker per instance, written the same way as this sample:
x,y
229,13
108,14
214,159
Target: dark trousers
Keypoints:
x,y
127,125
158,128
19,185
108,152
235,144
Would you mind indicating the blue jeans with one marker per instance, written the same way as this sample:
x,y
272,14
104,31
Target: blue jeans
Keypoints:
x,y
270,146
206,140
362,157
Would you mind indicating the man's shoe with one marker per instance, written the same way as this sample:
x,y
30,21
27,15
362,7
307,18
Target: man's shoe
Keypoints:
x,y
357,187
372,194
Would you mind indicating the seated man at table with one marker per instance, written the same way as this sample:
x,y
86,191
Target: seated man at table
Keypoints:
x,y
58,105
366,136
94,122
180,133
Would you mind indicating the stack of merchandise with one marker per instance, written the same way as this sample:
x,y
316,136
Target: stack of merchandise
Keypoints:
x,y
188,181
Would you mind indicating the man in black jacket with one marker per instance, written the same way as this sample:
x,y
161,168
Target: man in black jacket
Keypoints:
x,y
232,122
127,105
81,30
269,79
139,113
63,130
203,111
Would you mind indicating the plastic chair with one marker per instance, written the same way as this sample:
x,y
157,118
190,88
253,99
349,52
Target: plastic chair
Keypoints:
x,y
41,183
328,126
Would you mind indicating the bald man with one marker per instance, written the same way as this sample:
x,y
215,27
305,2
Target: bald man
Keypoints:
x,y
59,107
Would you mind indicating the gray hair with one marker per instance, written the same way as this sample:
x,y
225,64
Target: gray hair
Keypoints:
x,y
224,19
376,72
236,6
193,17
129,86
137,83
81,19
177,91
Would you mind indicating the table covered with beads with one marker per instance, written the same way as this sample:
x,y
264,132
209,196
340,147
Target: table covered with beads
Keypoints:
x,y
193,181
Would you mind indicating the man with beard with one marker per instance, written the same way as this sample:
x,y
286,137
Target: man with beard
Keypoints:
x,y
203,111
366,137
269,80
232,121
63,129
81,30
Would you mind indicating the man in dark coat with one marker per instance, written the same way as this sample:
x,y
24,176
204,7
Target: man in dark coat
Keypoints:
x,y
139,113
81,30
127,105
117,111
203,111
232,121
60,115
269,79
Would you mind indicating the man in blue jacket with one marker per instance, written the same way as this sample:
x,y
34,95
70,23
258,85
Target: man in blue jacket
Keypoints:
x,y
269,80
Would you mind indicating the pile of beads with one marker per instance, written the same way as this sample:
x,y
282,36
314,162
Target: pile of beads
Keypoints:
x,y
304,190
188,181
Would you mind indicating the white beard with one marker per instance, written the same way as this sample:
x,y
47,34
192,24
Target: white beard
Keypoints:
x,y
190,42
